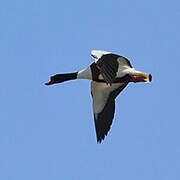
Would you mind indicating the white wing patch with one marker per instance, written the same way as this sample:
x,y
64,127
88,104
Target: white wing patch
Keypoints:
x,y
104,106
97,54
100,93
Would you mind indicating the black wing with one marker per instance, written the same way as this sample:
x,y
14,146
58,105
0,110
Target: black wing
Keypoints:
x,y
108,66
103,120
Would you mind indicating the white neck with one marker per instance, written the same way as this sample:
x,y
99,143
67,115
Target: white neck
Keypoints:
x,y
85,74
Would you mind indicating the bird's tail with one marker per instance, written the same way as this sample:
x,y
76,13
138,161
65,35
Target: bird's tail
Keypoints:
x,y
59,78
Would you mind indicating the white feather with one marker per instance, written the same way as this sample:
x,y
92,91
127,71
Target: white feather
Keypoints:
x,y
97,54
100,93
85,74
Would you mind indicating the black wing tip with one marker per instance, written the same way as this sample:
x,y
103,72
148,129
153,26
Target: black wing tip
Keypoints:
x,y
100,140
104,120
101,136
101,133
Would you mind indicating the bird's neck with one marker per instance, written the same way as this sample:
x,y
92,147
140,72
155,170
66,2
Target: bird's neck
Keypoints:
x,y
85,74
59,78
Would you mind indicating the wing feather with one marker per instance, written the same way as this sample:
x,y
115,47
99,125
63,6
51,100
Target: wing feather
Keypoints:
x,y
104,106
110,65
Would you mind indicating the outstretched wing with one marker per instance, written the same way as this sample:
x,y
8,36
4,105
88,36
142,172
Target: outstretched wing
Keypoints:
x,y
104,106
109,64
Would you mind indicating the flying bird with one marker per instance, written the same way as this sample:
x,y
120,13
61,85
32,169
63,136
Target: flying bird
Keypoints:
x,y
109,74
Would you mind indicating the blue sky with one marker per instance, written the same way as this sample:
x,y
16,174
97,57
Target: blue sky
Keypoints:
x,y
48,132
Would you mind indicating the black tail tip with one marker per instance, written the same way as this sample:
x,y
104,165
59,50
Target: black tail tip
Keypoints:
x,y
150,77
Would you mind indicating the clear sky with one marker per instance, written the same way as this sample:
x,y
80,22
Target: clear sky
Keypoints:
x,y
48,132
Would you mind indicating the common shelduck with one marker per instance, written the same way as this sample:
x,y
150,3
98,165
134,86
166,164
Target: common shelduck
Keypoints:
x,y
109,75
